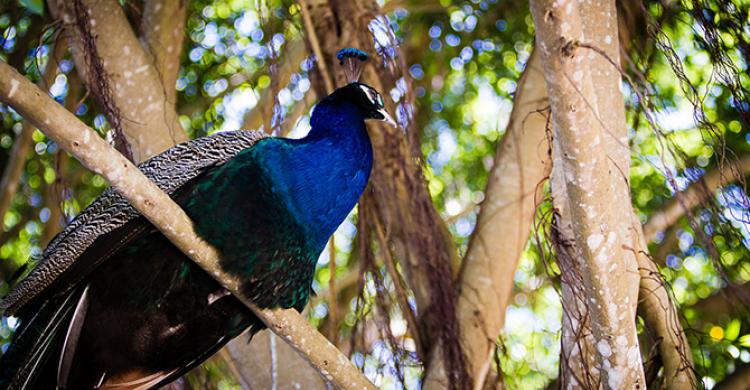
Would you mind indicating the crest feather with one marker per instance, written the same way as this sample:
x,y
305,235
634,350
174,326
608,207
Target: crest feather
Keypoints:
x,y
353,62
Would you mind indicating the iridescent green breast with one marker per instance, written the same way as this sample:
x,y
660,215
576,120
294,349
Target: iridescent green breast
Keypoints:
x,y
241,211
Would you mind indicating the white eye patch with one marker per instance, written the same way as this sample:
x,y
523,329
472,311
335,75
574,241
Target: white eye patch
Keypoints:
x,y
373,96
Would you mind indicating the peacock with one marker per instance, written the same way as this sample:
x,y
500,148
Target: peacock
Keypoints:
x,y
112,303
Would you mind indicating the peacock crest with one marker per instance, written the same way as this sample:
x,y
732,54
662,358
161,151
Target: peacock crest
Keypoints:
x,y
353,61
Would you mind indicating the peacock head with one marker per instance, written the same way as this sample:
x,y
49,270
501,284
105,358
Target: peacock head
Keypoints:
x,y
363,96
369,102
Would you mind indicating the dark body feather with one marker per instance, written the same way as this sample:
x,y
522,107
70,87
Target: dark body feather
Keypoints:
x,y
149,311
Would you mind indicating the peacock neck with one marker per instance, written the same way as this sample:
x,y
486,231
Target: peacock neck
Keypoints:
x,y
328,171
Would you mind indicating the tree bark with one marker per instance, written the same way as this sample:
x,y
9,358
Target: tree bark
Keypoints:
x,y
588,111
578,352
503,226
94,153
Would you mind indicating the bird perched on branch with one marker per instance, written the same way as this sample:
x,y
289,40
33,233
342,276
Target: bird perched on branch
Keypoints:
x,y
114,303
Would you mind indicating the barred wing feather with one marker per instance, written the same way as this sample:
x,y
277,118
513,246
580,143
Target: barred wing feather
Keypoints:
x,y
170,170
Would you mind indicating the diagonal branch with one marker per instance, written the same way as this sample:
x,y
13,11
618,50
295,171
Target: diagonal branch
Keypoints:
x,y
696,194
738,380
94,153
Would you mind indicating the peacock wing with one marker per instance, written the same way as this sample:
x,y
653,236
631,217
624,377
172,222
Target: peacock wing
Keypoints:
x,y
111,215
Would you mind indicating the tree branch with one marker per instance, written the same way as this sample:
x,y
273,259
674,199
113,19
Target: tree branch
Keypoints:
x,y
662,320
738,380
95,154
655,304
503,226
695,195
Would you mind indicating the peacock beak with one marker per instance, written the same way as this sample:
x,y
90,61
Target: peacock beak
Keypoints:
x,y
387,118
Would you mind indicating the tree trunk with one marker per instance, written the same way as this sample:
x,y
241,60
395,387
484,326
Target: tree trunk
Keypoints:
x,y
588,120
163,31
127,79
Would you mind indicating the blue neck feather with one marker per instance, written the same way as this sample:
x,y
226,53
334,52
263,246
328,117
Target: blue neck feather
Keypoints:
x,y
322,176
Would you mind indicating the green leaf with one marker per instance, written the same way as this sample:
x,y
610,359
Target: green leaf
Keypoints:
x,y
35,6
732,330
745,340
